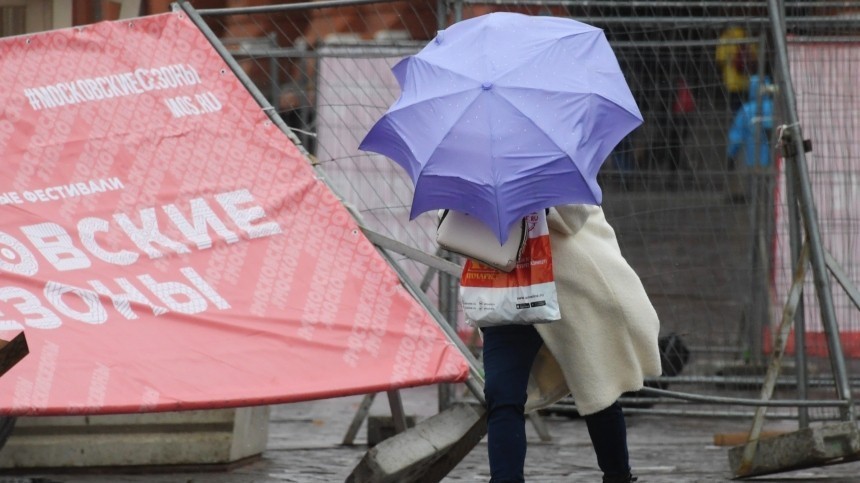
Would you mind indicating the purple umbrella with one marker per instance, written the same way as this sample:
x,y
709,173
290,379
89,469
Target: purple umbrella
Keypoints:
x,y
505,114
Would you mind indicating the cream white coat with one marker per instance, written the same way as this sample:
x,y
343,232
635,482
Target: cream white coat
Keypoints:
x,y
606,341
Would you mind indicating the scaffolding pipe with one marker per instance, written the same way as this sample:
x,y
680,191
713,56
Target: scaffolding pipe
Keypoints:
x,y
810,218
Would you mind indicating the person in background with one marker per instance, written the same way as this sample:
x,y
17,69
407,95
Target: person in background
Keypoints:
x,y
749,118
604,345
678,126
736,61
749,135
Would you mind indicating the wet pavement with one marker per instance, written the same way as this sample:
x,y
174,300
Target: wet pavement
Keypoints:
x,y
305,447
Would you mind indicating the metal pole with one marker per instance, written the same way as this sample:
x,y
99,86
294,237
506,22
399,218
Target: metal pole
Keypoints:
x,y
759,199
780,5
441,14
773,369
795,241
754,322
810,218
744,175
259,9
445,303
843,280
476,382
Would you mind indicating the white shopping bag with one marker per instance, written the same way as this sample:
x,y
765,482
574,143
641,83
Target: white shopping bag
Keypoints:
x,y
526,295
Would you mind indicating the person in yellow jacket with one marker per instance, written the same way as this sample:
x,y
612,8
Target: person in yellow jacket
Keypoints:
x,y
736,61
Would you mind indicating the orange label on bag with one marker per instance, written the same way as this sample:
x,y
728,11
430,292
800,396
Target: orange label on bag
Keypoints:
x,y
534,267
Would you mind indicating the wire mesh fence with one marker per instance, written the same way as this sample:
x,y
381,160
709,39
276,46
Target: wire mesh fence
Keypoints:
x,y
696,194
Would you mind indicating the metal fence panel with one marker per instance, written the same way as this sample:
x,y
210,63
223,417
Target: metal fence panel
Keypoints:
x,y
706,231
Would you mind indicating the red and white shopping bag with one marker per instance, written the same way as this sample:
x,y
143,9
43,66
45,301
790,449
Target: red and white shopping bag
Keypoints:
x,y
526,295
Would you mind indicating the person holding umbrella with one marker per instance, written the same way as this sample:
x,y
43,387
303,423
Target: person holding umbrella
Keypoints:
x,y
604,345
503,115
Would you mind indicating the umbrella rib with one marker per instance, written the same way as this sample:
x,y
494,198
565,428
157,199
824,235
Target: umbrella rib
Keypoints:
x,y
555,41
446,68
533,123
414,60
540,129
447,132
400,107
590,94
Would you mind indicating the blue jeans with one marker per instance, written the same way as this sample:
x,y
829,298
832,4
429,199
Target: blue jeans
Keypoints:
x,y
508,355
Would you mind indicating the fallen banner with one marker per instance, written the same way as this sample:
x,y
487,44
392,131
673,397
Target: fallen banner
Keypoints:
x,y
164,246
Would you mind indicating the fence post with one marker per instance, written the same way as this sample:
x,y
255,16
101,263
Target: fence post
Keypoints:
x,y
795,241
448,300
810,217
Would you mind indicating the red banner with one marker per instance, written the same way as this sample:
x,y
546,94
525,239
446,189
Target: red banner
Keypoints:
x,y
164,246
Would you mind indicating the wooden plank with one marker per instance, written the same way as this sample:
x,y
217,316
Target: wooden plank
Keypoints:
x,y
741,437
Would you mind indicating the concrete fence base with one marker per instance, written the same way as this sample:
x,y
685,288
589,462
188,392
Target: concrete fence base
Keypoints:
x,y
804,448
210,437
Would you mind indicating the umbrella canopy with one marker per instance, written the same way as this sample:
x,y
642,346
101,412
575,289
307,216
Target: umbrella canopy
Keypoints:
x,y
505,114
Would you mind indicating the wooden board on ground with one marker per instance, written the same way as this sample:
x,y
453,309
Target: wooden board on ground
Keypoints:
x,y
741,437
